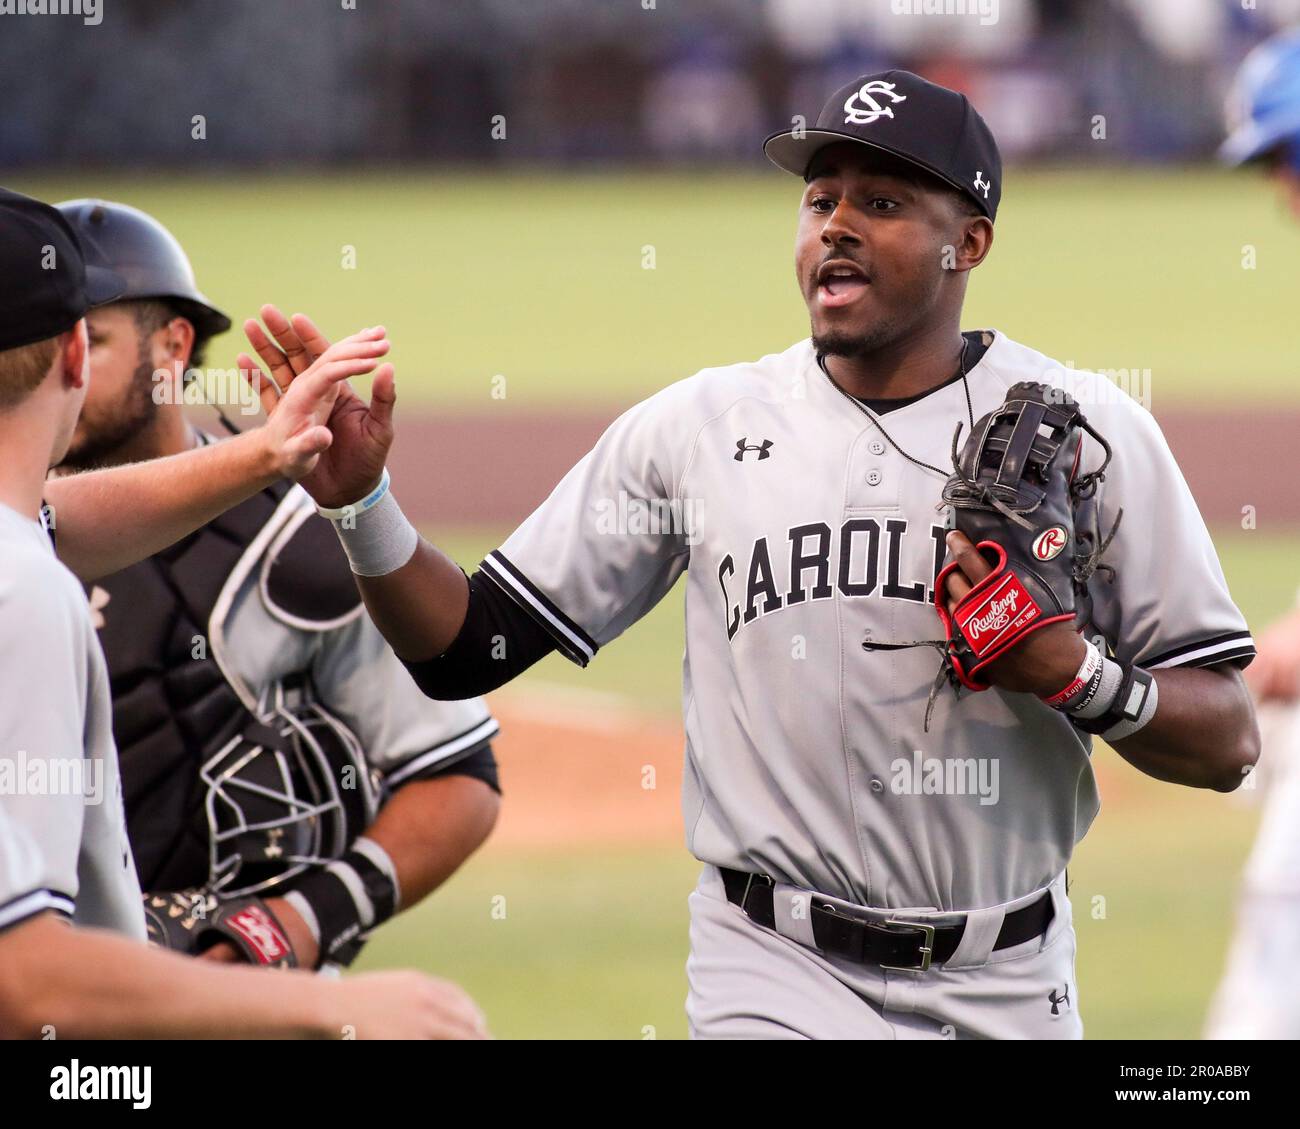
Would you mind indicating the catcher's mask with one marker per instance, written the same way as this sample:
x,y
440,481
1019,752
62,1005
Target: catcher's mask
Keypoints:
x,y
290,791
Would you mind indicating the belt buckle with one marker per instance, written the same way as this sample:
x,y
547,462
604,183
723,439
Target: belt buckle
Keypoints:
x,y
925,951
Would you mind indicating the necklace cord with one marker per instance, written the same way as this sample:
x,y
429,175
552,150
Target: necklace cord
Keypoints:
x,y
875,419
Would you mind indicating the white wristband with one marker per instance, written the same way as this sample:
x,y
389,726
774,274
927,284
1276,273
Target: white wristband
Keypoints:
x,y
380,857
1129,726
374,532
1110,677
308,915
369,501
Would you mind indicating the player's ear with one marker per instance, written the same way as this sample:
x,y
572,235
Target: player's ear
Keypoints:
x,y
974,243
178,338
74,350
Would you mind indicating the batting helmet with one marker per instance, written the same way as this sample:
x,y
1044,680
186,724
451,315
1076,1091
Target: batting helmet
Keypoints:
x,y
1264,104
147,256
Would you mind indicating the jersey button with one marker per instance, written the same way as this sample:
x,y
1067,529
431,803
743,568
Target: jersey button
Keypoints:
x,y
877,785
876,447
873,477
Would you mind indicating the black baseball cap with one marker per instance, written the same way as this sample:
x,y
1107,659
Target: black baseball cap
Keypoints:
x,y
46,286
901,113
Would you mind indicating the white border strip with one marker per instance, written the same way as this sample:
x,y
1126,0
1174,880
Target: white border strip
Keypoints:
x,y
503,577
295,498
295,523
481,732
1237,643
28,905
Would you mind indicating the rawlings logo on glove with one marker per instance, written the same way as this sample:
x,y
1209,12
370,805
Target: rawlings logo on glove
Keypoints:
x,y
987,619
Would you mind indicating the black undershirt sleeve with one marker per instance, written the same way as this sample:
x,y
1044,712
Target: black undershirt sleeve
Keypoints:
x,y
497,642
479,765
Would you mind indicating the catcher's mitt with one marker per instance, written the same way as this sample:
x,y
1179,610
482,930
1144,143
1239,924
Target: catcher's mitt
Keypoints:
x,y
1016,492
192,921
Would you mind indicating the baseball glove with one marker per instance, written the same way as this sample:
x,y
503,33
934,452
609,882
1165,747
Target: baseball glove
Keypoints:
x,y
192,921
1016,493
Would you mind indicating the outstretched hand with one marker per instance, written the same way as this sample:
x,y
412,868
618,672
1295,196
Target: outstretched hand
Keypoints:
x,y
351,464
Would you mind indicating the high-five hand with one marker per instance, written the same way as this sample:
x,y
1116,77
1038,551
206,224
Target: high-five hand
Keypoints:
x,y
362,434
298,412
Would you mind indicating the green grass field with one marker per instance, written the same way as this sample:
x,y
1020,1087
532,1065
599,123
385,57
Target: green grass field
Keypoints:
x,y
593,943
540,278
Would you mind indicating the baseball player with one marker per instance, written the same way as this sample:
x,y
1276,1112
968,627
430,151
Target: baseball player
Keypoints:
x,y
1259,997
64,852
865,876
283,643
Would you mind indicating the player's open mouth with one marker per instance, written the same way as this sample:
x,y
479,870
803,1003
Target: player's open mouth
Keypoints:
x,y
840,282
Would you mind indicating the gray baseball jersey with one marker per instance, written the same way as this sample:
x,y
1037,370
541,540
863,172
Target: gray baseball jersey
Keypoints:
x,y
805,533
63,843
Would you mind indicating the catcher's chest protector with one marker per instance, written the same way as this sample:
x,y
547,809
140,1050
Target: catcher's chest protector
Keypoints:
x,y
172,707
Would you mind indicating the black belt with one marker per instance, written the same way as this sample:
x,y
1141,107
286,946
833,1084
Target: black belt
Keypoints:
x,y
907,946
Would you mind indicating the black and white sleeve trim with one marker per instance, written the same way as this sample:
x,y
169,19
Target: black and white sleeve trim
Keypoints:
x,y
1237,646
463,743
33,902
569,637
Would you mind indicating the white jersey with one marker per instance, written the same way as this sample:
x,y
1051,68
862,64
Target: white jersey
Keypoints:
x,y
63,842
804,534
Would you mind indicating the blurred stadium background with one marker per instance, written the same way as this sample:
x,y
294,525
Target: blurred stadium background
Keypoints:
x,y
557,208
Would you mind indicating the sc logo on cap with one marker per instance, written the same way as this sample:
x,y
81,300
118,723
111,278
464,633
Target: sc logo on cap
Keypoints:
x,y
855,109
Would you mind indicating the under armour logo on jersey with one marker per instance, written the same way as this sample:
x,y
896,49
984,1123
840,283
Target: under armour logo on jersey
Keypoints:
x,y
1059,1001
764,449
982,183
862,107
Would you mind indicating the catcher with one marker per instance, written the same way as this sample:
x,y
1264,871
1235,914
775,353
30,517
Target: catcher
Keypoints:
x,y
284,778
863,877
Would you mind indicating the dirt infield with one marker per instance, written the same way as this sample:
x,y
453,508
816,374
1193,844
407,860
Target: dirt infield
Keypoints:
x,y
493,468
579,769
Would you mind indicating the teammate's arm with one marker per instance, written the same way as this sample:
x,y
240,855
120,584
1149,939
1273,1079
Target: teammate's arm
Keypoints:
x,y
107,519
1203,733
428,829
85,983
